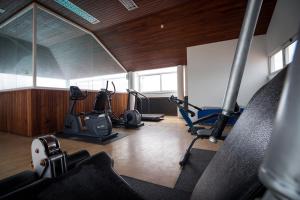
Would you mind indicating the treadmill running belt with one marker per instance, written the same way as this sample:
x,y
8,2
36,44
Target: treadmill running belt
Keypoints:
x,y
152,117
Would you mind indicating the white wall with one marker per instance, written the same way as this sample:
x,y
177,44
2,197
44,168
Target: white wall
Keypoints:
x,y
284,24
208,69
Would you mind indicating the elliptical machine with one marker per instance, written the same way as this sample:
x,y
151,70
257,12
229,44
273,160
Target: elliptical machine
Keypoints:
x,y
129,119
132,117
98,125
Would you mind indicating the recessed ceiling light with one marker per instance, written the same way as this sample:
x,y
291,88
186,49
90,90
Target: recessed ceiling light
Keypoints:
x,y
2,11
78,11
129,4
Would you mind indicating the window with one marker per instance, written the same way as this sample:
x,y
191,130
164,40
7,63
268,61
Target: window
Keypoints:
x,y
283,57
99,82
169,82
289,52
158,80
277,61
16,52
149,83
66,53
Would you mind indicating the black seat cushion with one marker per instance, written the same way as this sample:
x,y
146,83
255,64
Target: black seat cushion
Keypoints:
x,y
94,178
232,173
17,181
150,191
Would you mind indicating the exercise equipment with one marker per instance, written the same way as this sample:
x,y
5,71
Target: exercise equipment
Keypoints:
x,y
48,161
235,164
98,124
279,171
208,116
238,67
129,119
203,133
185,112
138,105
132,117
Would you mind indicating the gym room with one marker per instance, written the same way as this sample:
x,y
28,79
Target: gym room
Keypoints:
x,y
152,100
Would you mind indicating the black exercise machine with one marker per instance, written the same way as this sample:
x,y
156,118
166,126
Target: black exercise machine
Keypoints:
x,y
129,119
48,161
138,105
98,124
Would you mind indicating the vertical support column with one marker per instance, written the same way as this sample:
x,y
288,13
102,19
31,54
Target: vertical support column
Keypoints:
x,y
180,83
185,79
34,38
131,84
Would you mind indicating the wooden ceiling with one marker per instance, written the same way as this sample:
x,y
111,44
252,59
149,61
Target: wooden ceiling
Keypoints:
x,y
136,38
11,7
111,12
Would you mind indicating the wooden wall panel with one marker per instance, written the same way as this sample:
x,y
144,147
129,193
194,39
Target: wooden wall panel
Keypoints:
x,y
13,112
39,111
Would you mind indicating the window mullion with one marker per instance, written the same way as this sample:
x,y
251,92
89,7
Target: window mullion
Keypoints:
x,y
283,57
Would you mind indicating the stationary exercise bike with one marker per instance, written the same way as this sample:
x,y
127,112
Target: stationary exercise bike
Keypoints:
x,y
98,125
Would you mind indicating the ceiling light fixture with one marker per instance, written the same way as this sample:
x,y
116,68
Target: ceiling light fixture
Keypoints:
x,y
78,11
129,4
2,11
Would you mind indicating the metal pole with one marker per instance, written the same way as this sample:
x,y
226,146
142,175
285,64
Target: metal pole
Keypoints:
x,y
34,38
240,57
238,66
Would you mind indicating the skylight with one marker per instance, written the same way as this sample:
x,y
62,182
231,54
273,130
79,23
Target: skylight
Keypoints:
x,y
78,11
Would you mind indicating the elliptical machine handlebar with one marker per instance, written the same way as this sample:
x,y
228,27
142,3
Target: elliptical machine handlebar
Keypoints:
x,y
136,93
108,91
77,94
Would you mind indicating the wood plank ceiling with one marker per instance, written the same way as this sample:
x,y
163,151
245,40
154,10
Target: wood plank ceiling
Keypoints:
x,y
137,39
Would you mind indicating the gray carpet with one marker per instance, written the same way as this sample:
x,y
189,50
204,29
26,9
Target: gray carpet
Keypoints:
x,y
185,184
192,171
150,191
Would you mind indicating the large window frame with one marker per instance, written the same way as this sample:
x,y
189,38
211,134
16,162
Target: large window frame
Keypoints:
x,y
161,85
34,7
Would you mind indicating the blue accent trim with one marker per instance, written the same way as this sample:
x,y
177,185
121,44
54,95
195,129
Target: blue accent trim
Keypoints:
x,y
186,117
78,11
210,122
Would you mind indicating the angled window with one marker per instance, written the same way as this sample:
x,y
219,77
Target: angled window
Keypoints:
x,y
67,55
16,52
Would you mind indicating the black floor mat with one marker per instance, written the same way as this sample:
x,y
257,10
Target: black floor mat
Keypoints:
x,y
90,139
192,171
186,181
152,191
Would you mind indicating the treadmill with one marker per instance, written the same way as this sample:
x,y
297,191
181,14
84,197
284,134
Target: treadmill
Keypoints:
x,y
153,117
138,106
